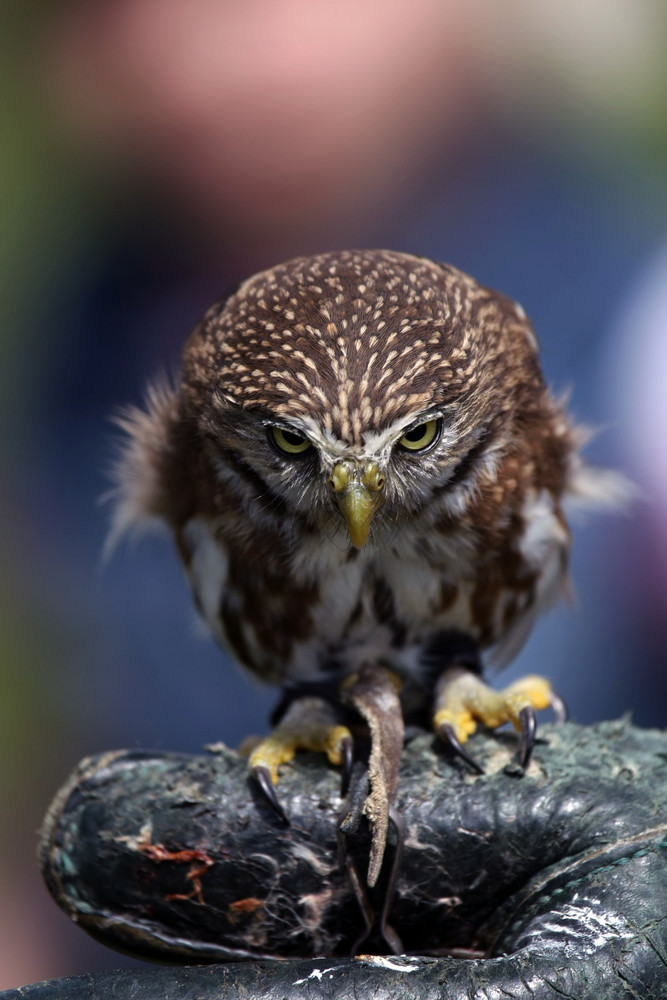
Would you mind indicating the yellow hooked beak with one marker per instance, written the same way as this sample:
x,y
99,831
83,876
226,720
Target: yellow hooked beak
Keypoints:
x,y
358,489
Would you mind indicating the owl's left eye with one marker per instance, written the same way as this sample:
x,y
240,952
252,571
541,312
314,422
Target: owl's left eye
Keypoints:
x,y
288,442
422,436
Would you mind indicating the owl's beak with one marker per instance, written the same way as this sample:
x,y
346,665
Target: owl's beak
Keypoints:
x,y
358,490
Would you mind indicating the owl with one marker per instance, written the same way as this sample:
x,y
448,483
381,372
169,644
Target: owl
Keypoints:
x,y
364,474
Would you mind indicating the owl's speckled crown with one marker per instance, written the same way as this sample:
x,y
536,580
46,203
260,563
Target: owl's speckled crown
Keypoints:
x,y
357,339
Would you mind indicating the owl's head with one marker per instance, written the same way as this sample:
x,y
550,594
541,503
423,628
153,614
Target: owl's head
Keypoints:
x,y
359,383
357,389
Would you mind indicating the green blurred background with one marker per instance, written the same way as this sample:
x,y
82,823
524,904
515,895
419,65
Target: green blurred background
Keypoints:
x,y
154,153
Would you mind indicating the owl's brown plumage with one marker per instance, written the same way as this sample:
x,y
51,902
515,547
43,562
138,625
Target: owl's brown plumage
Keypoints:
x,y
373,398
349,349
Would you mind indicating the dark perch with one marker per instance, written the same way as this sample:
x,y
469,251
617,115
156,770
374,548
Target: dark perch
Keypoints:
x,y
555,876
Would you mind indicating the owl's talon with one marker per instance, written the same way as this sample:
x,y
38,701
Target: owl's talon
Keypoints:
x,y
309,723
262,776
347,862
559,708
528,728
389,935
462,699
347,753
448,736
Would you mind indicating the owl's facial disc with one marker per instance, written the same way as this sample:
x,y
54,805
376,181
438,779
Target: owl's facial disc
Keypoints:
x,y
358,489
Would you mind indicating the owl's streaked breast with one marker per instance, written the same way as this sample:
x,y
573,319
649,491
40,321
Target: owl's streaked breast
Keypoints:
x,y
385,602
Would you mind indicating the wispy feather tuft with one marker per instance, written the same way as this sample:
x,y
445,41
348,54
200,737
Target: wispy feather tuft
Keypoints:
x,y
592,487
137,489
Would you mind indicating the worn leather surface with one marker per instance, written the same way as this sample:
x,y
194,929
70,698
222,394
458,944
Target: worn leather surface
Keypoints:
x,y
557,876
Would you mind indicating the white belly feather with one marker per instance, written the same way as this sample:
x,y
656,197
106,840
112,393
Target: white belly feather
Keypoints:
x,y
346,605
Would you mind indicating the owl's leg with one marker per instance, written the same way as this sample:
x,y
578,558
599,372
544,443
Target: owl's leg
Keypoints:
x,y
308,724
462,700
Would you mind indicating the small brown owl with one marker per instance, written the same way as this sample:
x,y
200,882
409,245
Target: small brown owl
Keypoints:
x,y
364,474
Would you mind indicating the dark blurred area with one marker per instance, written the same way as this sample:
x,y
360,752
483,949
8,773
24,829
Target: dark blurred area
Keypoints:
x,y
155,153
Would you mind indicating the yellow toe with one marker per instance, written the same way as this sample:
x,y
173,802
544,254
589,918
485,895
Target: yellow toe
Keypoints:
x,y
463,699
308,724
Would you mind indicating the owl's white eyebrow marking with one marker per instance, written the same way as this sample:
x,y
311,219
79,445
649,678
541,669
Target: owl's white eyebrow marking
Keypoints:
x,y
376,444
322,437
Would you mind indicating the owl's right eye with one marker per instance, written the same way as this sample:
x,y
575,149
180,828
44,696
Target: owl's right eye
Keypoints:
x,y
288,442
421,437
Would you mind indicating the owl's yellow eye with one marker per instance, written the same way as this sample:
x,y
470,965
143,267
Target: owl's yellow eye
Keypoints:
x,y
421,437
289,441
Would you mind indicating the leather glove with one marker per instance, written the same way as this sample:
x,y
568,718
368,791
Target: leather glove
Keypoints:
x,y
544,883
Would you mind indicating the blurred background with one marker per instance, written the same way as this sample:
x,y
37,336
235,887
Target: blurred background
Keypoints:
x,y
156,152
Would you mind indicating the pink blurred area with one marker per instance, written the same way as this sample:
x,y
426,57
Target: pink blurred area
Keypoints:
x,y
160,150
278,120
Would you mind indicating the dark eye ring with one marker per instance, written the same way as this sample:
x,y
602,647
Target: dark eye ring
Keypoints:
x,y
288,442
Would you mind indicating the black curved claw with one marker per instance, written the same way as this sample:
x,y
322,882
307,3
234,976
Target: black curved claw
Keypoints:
x,y
347,751
559,707
349,819
528,727
447,735
347,862
262,776
388,933
359,891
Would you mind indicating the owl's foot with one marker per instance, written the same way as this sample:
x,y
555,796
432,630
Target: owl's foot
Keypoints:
x,y
462,700
308,724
